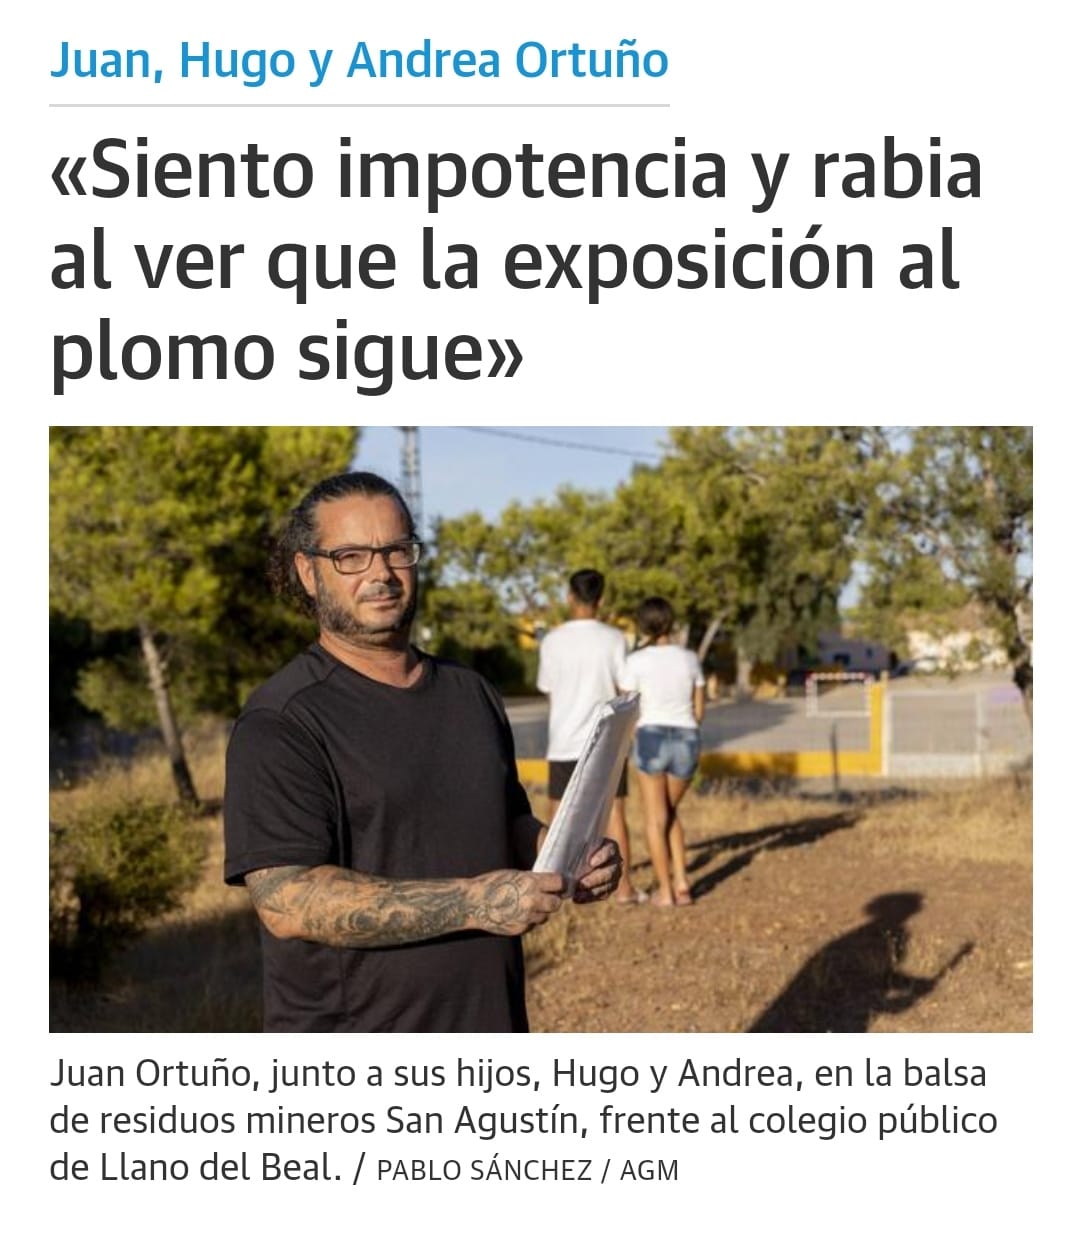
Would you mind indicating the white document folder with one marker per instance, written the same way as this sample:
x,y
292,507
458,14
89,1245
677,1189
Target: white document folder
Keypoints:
x,y
582,817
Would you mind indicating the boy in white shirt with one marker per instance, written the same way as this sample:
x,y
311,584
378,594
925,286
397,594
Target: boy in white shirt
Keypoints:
x,y
580,664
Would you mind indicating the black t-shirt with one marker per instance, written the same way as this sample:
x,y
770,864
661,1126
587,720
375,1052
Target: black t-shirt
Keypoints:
x,y
329,767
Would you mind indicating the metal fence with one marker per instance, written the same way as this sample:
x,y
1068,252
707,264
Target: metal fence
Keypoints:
x,y
945,732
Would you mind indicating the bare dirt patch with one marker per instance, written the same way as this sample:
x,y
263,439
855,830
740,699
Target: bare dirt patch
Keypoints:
x,y
904,911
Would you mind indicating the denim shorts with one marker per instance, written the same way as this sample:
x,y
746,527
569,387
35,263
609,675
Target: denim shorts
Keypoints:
x,y
667,750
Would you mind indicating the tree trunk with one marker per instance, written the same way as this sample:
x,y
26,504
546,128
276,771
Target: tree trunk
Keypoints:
x,y
707,641
1023,652
743,665
1024,677
170,731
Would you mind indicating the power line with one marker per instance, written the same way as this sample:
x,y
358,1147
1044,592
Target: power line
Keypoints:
x,y
650,457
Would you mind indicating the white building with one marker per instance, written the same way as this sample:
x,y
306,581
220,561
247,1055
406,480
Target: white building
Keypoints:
x,y
959,651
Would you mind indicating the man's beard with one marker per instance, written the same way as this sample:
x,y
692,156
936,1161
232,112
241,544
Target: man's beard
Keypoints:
x,y
340,620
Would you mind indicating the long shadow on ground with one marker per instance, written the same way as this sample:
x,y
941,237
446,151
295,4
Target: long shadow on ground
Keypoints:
x,y
749,844
857,976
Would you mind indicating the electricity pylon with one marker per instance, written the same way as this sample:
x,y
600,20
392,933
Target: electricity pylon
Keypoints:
x,y
410,475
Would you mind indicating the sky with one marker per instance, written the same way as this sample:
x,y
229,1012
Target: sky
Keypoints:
x,y
465,469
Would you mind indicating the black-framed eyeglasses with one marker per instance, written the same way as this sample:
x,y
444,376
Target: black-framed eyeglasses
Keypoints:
x,y
350,560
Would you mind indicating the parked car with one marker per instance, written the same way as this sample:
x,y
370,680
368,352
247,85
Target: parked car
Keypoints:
x,y
924,664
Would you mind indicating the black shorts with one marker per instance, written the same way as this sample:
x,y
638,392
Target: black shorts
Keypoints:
x,y
559,775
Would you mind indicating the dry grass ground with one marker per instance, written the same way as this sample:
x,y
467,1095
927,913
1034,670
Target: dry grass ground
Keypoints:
x,y
779,936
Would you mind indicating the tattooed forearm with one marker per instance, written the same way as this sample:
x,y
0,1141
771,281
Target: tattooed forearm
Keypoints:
x,y
351,910
347,909
500,903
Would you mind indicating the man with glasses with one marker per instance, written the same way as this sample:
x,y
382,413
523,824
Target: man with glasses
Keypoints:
x,y
372,805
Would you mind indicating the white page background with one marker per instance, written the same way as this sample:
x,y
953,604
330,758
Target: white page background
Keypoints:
x,y
988,79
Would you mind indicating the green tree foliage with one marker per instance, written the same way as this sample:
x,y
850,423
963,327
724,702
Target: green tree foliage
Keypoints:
x,y
488,580
163,533
73,645
751,533
952,527
807,491
488,584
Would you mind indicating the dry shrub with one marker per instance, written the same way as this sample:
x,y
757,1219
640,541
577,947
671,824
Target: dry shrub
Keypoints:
x,y
113,869
123,854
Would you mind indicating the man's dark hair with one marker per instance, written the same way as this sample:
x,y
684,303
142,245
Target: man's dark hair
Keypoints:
x,y
587,586
655,617
300,534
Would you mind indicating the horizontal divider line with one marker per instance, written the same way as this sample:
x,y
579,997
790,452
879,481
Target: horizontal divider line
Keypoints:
x,y
352,105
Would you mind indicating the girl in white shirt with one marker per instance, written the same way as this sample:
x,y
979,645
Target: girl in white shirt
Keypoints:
x,y
667,743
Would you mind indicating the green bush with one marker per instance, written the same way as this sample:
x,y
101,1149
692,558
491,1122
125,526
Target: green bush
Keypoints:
x,y
112,870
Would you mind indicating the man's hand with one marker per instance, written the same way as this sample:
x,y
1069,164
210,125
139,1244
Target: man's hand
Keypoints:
x,y
602,878
510,902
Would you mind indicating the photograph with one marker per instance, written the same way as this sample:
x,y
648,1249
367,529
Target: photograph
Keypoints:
x,y
553,729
